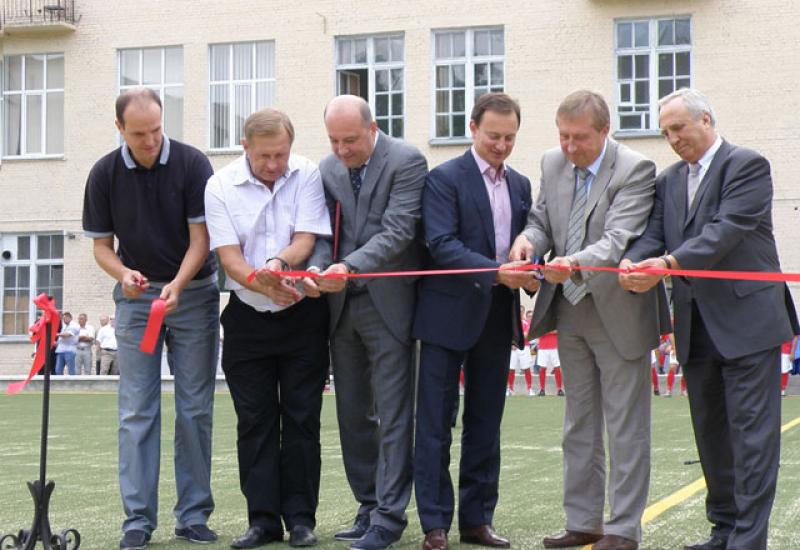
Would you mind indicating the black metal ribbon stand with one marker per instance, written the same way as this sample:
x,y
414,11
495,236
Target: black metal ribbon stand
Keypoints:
x,y
41,490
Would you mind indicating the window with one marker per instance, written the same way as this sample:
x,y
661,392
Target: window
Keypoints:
x,y
467,64
242,81
653,60
160,69
31,264
33,105
372,67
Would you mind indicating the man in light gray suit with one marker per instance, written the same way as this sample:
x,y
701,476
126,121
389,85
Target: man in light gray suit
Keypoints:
x,y
373,184
595,197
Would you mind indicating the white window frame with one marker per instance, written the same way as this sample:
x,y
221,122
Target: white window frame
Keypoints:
x,y
652,50
24,94
234,142
469,61
33,263
159,88
372,66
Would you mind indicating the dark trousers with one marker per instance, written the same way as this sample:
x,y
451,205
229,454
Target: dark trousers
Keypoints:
x,y
736,414
485,377
275,366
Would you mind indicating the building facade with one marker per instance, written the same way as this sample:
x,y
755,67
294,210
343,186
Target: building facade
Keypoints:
x,y
420,65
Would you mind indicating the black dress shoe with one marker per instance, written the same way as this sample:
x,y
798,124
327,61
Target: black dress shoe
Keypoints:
x,y
256,536
360,526
376,538
484,535
714,543
300,535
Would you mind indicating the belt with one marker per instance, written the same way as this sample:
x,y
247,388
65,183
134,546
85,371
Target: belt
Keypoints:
x,y
108,349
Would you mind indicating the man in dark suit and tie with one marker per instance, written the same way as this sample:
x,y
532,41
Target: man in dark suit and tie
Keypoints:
x,y
595,197
472,208
375,184
713,210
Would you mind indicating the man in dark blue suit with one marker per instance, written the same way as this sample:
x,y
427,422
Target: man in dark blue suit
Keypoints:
x,y
472,208
713,210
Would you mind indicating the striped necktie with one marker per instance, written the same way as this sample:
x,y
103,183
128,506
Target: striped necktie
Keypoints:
x,y
576,231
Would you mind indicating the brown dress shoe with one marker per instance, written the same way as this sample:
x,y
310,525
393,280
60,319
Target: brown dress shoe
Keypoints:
x,y
484,535
615,542
435,539
568,539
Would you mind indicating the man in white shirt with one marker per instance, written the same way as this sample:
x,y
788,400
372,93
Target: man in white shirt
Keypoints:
x,y
265,210
83,355
107,346
66,345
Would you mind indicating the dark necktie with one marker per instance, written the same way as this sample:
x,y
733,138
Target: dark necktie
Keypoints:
x,y
355,180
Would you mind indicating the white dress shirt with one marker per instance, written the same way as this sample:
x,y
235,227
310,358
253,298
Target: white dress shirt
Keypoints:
x,y
240,210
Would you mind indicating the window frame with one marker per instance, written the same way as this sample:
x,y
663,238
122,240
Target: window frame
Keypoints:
x,y
160,88
469,60
653,50
24,93
230,84
32,263
371,67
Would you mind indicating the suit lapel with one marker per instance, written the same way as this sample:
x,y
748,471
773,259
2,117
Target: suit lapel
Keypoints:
x,y
678,191
377,161
565,190
711,174
603,178
477,190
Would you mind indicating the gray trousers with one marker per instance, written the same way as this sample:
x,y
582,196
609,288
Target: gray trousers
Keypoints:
x,y
602,386
374,381
83,361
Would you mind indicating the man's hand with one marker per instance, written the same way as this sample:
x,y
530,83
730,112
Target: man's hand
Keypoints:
x,y
170,294
516,279
558,270
310,286
268,276
522,249
640,282
336,284
283,294
133,283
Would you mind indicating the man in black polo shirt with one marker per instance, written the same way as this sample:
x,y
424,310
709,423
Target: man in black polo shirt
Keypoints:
x,y
149,194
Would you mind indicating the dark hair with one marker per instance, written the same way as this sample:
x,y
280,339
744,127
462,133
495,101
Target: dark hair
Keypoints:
x,y
497,102
141,95
586,102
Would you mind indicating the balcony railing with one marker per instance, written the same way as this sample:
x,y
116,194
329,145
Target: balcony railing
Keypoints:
x,y
30,14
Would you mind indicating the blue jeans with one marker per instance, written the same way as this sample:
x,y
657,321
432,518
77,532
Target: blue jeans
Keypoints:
x,y
65,358
194,338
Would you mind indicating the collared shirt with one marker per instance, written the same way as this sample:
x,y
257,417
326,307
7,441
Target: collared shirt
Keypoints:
x,y
86,330
68,343
149,209
107,337
363,171
708,156
593,168
500,201
242,211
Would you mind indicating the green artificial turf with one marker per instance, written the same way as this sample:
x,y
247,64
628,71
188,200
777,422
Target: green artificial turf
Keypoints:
x,y
83,463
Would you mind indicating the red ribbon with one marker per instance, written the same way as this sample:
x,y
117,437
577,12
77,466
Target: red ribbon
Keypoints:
x,y
39,336
692,273
153,328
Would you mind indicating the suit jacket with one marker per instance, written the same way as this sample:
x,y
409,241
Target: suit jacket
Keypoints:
x,y
459,233
617,208
380,233
728,227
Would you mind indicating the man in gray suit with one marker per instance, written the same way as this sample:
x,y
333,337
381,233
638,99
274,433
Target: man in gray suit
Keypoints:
x,y
595,197
373,183
713,210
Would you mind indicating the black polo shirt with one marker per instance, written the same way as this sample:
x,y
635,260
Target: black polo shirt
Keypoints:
x,y
149,210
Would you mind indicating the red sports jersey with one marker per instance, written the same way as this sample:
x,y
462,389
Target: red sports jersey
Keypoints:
x,y
549,341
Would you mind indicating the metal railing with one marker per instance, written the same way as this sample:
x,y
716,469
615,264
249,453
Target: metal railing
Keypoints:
x,y
37,12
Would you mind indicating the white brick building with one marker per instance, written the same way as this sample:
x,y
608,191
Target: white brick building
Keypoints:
x,y
419,63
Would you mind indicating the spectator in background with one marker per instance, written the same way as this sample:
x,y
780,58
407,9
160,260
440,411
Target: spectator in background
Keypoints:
x,y
83,354
667,350
548,359
66,345
787,352
521,359
107,346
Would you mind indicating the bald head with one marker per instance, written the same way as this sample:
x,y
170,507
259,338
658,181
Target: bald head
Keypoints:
x,y
351,130
349,106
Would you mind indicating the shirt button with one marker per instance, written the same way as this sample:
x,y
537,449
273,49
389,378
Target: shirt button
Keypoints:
x,y
477,285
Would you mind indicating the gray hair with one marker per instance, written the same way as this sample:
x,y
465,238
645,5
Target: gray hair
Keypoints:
x,y
696,103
